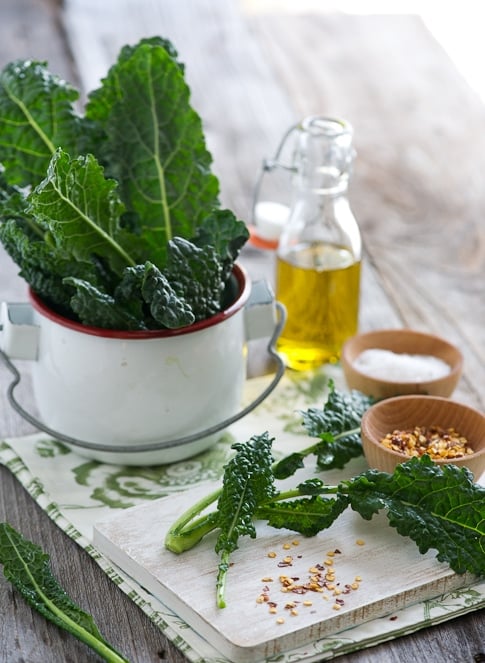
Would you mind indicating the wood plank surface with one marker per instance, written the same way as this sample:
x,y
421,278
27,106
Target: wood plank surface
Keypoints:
x,y
416,191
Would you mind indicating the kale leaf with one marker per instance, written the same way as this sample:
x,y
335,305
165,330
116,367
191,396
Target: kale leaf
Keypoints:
x,y
80,209
436,506
157,154
248,482
337,425
114,217
36,116
307,516
27,567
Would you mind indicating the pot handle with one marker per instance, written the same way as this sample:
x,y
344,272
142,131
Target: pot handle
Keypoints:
x,y
166,444
19,337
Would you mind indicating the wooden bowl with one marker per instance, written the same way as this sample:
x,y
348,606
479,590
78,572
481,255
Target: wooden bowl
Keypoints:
x,y
401,341
406,412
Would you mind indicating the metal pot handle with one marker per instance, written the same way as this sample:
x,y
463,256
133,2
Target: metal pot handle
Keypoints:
x,y
155,446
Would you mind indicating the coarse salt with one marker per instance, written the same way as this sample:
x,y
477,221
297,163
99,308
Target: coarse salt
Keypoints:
x,y
400,367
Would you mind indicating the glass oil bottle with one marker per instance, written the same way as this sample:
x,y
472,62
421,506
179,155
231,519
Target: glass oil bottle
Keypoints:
x,y
318,257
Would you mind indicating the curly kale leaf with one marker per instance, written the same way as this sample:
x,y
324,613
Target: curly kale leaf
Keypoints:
x,y
102,101
438,507
196,276
337,424
143,299
97,308
166,306
43,267
180,294
248,481
226,234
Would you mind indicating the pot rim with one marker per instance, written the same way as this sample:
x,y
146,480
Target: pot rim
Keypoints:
x,y
244,289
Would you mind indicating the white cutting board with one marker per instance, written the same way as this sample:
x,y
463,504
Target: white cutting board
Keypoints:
x,y
394,575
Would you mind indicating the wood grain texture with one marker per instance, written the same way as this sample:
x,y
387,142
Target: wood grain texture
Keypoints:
x,y
417,188
417,192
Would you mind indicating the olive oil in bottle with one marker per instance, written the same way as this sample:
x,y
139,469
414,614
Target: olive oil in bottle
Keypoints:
x,y
318,324
319,253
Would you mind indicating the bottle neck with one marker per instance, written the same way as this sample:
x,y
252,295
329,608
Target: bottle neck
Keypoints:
x,y
323,156
320,184
320,213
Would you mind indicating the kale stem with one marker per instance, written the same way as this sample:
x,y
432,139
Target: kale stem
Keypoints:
x,y
295,492
221,579
337,436
181,536
99,646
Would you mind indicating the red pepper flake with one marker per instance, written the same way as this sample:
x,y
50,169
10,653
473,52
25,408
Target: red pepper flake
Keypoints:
x,y
321,577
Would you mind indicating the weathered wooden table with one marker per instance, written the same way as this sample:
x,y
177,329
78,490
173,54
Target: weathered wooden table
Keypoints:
x,y
418,193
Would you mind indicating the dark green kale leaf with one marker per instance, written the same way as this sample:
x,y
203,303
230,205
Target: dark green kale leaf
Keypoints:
x,y
337,424
196,276
308,516
43,267
166,306
97,308
226,234
248,481
27,567
438,507
81,210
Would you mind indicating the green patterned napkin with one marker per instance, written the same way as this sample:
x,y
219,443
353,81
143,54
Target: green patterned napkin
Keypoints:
x,y
91,491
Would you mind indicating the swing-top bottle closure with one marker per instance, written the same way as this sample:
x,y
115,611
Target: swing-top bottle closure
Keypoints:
x,y
320,164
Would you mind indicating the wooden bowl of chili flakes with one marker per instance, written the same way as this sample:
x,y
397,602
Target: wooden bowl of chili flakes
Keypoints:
x,y
395,429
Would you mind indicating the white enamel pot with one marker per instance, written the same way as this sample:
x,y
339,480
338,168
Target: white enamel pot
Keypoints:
x,y
144,397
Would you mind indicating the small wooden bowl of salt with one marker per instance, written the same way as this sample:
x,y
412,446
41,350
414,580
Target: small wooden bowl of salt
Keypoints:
x,y
396,362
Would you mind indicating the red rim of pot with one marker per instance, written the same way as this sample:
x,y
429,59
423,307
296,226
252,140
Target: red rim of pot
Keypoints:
x,y
243,291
